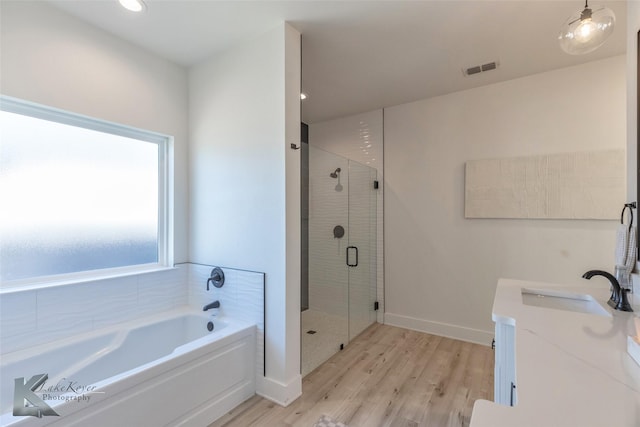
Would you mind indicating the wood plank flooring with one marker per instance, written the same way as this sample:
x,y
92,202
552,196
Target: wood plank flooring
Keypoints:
x,y
387,376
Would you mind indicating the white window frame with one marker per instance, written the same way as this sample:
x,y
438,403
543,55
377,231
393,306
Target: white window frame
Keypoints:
x,y
165,193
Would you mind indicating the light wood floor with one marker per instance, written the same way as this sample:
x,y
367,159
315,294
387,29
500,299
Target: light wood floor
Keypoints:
x,y
387,376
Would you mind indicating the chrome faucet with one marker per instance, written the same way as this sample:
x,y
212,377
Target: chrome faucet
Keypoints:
x,y
618,298
215,304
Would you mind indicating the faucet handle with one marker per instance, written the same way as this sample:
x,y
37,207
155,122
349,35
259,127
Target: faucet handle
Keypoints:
x,y
216,278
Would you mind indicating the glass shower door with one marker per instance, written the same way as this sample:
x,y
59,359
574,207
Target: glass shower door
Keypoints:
x,y
325,325
361,256
341,255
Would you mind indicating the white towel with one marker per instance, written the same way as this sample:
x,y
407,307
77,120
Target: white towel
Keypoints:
x,y
622,245
632,249
626,251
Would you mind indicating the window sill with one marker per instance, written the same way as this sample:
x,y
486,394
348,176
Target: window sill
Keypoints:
x,y
64,280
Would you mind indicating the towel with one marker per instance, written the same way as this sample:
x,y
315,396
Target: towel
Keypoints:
x,y
632,251
622,245
626,250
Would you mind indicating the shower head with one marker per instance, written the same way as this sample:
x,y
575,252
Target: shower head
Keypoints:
x,y
335,173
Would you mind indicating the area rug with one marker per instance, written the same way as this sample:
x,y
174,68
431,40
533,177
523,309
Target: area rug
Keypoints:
x,y
326,421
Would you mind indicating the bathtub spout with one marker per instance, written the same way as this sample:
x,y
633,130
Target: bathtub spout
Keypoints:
x,y
215,304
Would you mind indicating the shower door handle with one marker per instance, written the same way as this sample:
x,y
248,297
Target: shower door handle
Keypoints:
x,y
348,257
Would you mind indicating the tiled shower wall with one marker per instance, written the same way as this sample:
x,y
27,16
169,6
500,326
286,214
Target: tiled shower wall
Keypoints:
x,y
328,208
360,138
31,317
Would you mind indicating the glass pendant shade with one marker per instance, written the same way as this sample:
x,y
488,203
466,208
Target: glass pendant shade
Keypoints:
x,y
586,30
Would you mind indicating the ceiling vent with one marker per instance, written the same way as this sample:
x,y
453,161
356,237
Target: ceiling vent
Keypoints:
x,y
477,69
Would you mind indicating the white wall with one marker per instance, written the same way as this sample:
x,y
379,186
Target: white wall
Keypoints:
x,y
288,303
441,269
633,26
51,58
245,183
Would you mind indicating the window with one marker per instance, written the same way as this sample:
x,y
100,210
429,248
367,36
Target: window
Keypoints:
x,y
79,194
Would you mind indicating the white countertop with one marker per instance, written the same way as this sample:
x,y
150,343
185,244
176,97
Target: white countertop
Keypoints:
x,y
572,369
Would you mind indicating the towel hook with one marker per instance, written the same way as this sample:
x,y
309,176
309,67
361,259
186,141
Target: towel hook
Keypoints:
x,y
631,206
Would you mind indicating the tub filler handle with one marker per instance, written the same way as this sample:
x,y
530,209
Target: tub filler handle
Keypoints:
x,y
216,278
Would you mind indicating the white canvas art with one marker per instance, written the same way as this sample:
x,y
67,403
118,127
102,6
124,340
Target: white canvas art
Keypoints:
x,y
580,185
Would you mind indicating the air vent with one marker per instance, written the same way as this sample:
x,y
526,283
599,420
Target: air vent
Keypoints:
x,y
490,66
477,69
473,70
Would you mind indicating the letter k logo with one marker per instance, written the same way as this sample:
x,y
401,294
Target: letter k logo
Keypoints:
x,y
25,391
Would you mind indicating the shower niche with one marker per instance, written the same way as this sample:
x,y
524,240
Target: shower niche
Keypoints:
x,y
340,296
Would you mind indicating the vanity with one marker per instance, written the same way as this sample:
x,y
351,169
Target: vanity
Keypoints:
x,y
561,358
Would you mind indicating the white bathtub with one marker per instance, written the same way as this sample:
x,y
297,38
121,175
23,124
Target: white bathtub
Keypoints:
x,y
165,370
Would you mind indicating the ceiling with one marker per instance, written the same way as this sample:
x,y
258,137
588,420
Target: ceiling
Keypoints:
x,y
360,55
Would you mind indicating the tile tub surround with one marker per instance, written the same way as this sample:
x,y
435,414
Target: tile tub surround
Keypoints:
x,y
36,316
33,317
572,369
241,297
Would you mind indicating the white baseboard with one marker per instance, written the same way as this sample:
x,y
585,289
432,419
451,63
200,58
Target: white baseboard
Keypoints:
x,y
461,333
277,392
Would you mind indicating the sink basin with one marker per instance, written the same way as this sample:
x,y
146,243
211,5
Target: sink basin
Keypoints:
x,y
560,300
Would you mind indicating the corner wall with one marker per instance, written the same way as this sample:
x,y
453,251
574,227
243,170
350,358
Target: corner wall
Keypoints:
x,y
441,269
244,112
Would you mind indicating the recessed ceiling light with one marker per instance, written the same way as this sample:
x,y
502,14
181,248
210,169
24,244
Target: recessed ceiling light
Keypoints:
x,y
133,5
303,96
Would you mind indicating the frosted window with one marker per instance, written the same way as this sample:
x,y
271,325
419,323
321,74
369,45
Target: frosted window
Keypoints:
x,y
74,199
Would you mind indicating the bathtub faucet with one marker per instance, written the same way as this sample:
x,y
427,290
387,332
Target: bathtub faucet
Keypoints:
x,y
215,304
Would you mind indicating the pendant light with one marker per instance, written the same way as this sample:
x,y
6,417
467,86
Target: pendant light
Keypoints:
x,y
586,30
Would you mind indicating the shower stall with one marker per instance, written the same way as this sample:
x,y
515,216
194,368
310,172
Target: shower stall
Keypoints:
x,y
339,253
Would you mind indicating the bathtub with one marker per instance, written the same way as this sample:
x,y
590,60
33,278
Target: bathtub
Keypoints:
x,y
164,370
